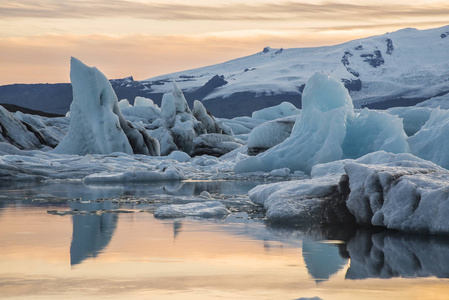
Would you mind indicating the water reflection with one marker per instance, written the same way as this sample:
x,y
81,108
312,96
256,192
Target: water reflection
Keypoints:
x,y
177,226
373,253
91,232
322,259
389,254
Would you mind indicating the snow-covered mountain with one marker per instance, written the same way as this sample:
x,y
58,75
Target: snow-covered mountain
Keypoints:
x,y
400,68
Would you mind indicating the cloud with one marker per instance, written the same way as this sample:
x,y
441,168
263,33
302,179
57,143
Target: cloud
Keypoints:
x,y
287,10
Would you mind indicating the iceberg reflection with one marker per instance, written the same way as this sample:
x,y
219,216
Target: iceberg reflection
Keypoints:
x,y
389,254
91,232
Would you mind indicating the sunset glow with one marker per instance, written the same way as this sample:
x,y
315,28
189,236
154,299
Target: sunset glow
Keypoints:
x,y
149,38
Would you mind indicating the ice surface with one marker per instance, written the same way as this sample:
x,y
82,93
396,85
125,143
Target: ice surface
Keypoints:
x,y
207,209
282,110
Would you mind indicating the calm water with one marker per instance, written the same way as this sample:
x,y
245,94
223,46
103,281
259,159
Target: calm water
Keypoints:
x,y
135,256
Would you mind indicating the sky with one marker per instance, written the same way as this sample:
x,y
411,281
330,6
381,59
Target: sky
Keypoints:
x,y
147,38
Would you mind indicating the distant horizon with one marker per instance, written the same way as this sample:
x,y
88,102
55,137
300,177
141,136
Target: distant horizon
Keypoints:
x,y
145,39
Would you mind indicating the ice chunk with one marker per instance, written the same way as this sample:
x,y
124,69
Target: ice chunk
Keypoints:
x,y
179,156
142,101
215,144
124,103
207,209
269,134
372,131
303,202
200,113
282,110
280,172
432,141
146,114
180,126
413,117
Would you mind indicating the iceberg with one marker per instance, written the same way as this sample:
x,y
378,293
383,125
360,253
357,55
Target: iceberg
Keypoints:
x,y
96,122
412,199
328,130
194,132
395,191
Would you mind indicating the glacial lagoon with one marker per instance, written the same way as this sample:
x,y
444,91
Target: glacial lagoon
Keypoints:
x,y
119,250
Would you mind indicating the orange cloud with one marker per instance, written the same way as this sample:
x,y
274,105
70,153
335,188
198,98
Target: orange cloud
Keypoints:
x,y
229,11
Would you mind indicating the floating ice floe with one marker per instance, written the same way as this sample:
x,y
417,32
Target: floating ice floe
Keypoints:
x,y
207,209
170,173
